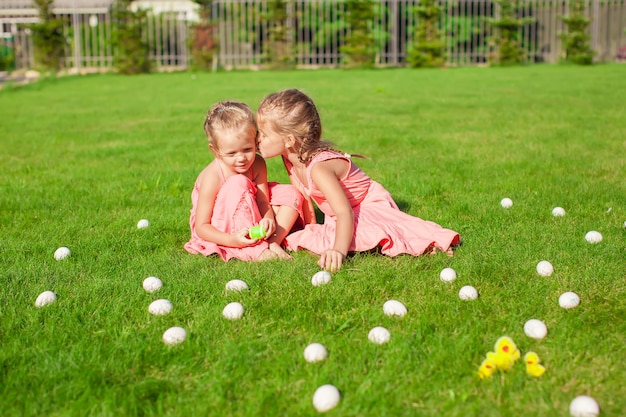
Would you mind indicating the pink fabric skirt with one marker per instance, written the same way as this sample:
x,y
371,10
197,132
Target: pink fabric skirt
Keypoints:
x,y
236,209
378,223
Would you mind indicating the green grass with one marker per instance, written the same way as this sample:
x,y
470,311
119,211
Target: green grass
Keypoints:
x,y
83,159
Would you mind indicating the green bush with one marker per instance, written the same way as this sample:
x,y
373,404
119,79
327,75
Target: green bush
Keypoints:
x,y
279,50
6,56
576,41
202,41
359,47
48,38
428,49
132,53
509,48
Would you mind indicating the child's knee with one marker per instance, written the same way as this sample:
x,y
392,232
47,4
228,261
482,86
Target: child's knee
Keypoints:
x,y
296,197
238,181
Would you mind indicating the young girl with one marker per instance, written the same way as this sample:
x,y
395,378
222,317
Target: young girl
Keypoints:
x,y
232,194
360,214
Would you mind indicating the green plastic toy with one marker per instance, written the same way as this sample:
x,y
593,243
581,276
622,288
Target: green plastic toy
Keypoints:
x,y
257,232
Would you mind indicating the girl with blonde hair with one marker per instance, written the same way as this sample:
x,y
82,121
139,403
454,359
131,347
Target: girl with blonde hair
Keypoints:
x,y
360,214
232,194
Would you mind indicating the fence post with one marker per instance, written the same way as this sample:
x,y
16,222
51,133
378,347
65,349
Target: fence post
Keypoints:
x,y
77,37
594,16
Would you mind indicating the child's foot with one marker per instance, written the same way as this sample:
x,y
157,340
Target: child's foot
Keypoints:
x,y
279,252
433,250
266,255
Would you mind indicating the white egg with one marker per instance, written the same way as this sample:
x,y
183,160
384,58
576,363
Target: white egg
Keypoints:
x,y
535,329
447,275
315,352
320,278
584,406
569,300
506,202
593,237
379,335
394,308
45,298
326,398
233,311
62,253
236,285
152,284
174,335
468,293
545,268
160,307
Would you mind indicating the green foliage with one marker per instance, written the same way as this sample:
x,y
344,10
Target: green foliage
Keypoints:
x,y
576,41
132,53
428,49
48,37
359,47
327,31
205,7
279,49
203,45
6,55
203,39
509,48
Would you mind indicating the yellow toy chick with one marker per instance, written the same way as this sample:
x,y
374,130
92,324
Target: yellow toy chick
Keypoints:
x,y
487,368
532,364
506,353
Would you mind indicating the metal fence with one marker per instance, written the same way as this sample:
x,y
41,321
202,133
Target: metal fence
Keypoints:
x,y
316,30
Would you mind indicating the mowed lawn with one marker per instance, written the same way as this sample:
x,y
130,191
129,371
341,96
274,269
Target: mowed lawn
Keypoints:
x,y
85,158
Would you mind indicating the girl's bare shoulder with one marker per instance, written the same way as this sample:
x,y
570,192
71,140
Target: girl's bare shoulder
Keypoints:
x,y
337,166
210,176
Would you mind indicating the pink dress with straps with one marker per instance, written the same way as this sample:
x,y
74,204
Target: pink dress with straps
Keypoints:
x,y
378,222
236,209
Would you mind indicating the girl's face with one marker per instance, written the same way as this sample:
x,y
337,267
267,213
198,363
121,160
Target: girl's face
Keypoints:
x,y
271,144
236,148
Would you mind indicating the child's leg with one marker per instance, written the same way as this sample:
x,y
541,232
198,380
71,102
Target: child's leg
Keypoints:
x,y
236,209
285,219
286,201
267,254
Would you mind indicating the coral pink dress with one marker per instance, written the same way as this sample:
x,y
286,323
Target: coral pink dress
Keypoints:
x,y
235,209
378,222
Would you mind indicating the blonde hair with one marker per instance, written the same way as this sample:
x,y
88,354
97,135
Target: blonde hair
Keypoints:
x,y
226,115
291,112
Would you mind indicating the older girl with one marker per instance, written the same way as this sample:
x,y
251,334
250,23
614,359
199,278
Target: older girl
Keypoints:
x,y
360,214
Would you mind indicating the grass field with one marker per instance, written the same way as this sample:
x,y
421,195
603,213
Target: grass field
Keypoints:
x,y
85,158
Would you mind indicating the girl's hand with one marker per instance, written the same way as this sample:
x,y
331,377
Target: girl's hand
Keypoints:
x,y
241,239
331,260
269,225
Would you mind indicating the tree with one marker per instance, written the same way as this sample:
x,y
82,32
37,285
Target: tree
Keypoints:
x,y
576,41
428,49
359,46
509,48
279,50
48,38
132,53
202,42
